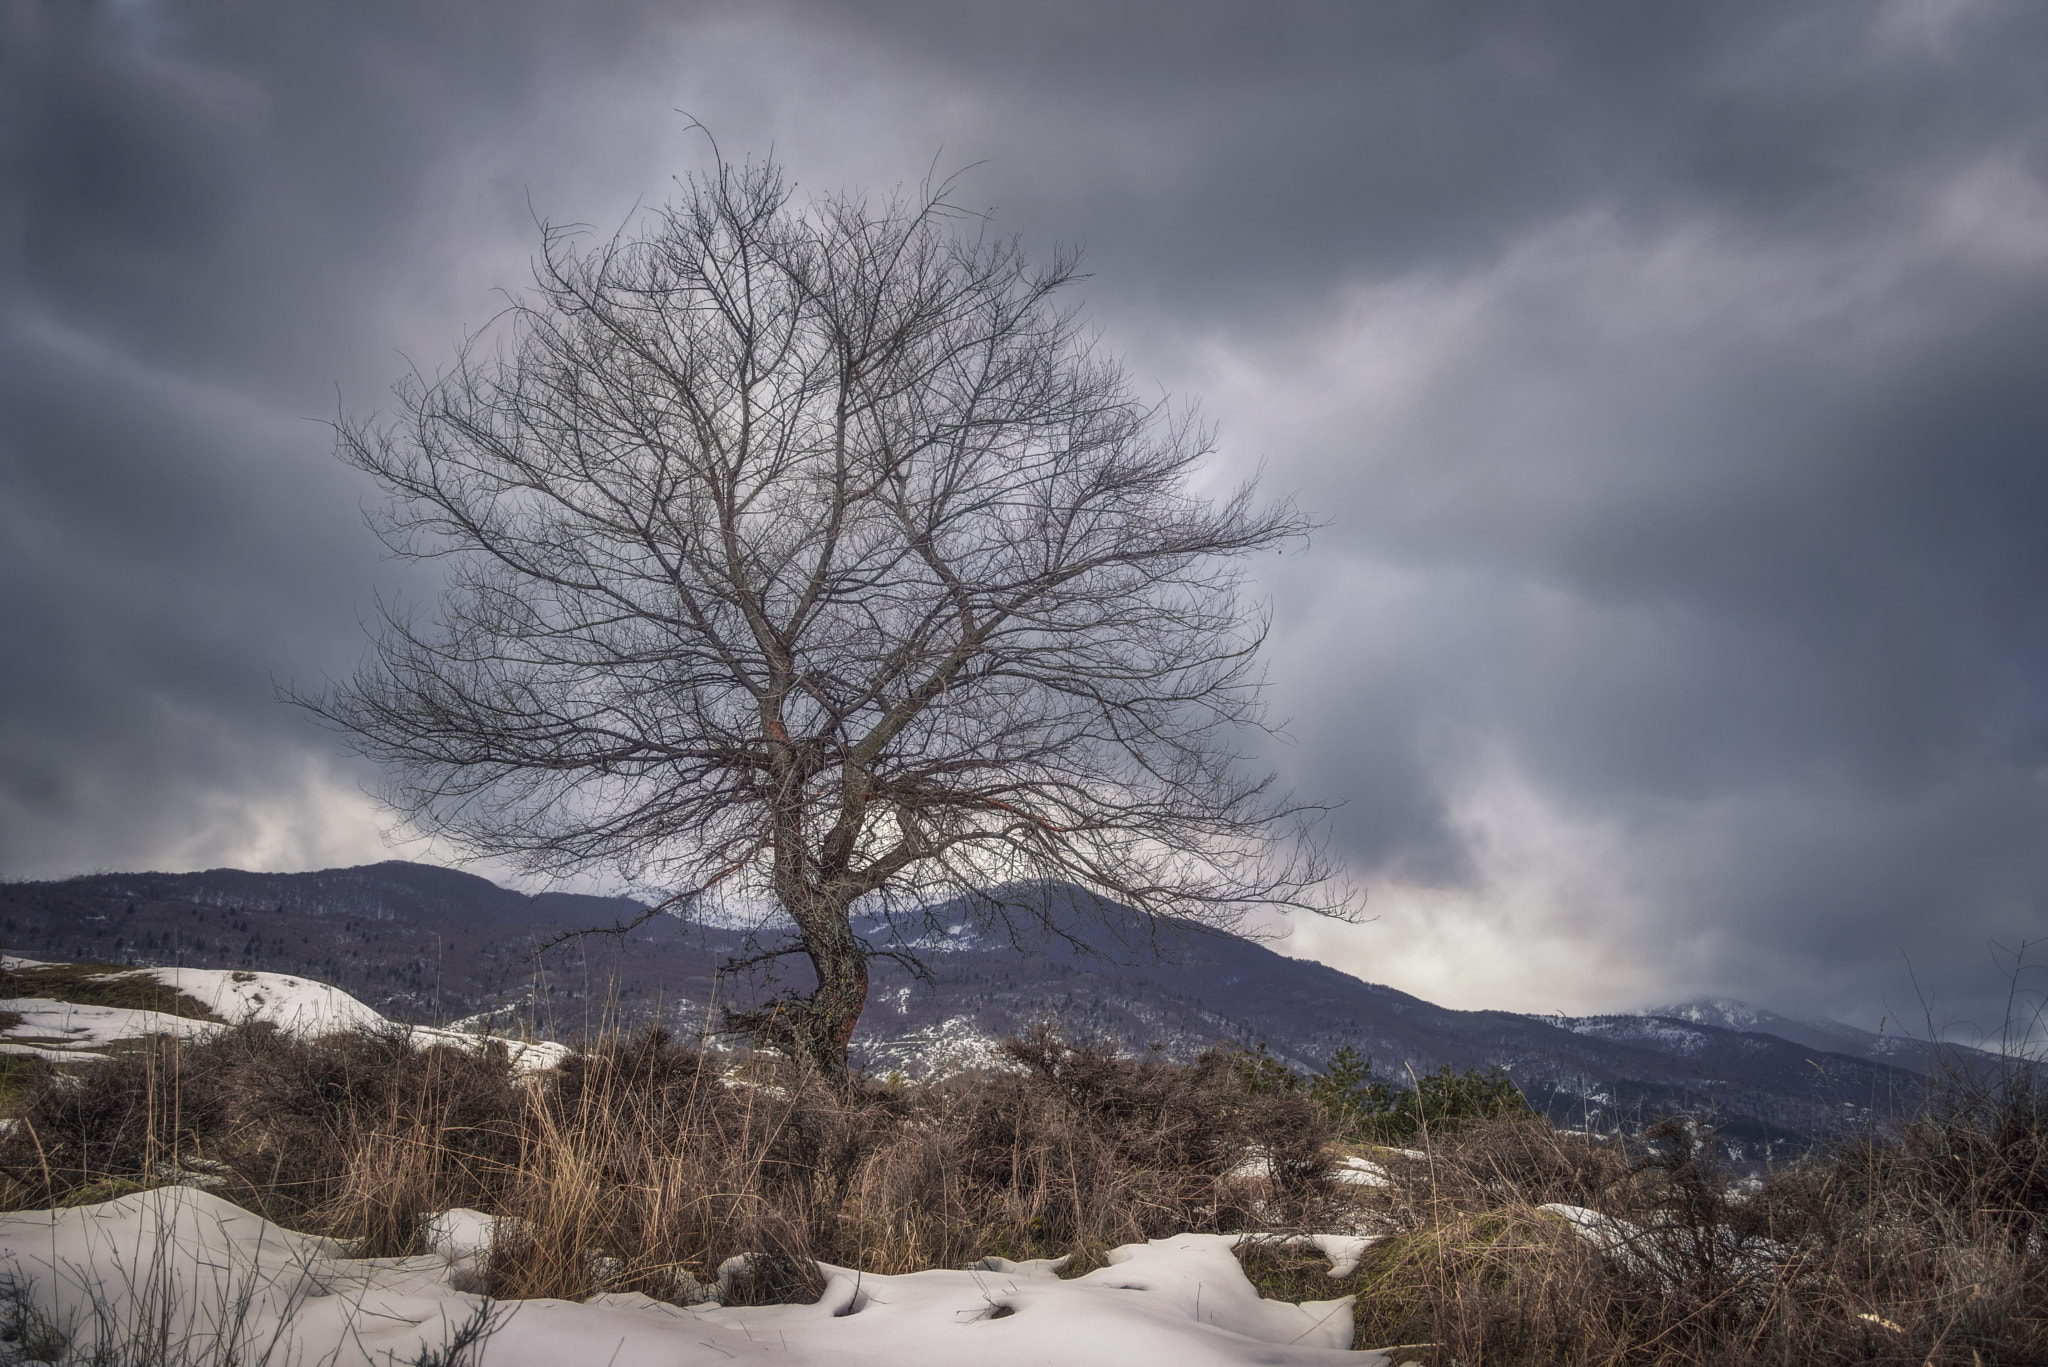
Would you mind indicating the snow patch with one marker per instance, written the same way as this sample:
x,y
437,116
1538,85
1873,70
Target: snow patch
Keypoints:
x,y
59,1030
301,1006
1358,1172
65,1030
219,1283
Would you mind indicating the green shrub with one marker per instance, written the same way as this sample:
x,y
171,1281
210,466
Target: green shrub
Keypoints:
x,y
1371,1109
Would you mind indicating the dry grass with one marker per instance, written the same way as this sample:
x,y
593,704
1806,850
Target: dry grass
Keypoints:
x,y
642,1164
664,1167
1919,1245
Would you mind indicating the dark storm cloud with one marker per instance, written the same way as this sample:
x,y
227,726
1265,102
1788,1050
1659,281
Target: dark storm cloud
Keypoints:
x,y
1672,377
214,222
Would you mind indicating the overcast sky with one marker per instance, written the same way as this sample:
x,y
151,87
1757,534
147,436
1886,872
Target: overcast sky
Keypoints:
x,y
1673,379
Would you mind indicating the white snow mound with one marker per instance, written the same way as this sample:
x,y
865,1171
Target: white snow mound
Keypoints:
x,y
301,1006
180,1267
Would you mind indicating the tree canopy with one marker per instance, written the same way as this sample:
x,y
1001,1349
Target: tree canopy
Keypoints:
x,y
814,548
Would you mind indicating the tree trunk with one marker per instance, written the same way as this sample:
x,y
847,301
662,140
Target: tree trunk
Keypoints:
x,y
817,1027
822,1024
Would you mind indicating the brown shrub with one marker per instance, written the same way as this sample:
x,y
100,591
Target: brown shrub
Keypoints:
x,y
1490,1164
1086,1150
1866,1254
358,1135
352,1134
119,1118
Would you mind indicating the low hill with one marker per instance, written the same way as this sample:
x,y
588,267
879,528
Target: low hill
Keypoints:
x,y
435,946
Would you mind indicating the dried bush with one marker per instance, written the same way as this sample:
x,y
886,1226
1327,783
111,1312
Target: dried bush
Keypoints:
x,y
1086,1149
1912,1244
1509,1284
361,1134
118,1119
353,1134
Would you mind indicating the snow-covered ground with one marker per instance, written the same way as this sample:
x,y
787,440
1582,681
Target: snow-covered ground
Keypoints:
x,y
68,1030
179,1276
1351,1169
1360,1172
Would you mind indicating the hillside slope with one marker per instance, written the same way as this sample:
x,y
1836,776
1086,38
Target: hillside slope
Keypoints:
x,y
435,946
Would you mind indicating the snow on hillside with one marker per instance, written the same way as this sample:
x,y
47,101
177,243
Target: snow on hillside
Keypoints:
x,y
1725,1012
65,1030
299,1005
178,1266
68,1030
1660,1033
1814,1032
951,1046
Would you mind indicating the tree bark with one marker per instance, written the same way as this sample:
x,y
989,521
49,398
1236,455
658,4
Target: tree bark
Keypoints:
x,y
823,1024
816,1027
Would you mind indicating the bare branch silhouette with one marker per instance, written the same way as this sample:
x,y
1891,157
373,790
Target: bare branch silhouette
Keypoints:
x,y
815,550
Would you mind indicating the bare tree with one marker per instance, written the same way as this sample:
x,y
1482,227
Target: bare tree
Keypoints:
x,y
814,548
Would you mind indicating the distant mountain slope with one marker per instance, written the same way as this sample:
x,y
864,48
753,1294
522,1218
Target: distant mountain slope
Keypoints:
x,y
1729,1014
419,944
433,945
1766,1089
1893,1047
392,890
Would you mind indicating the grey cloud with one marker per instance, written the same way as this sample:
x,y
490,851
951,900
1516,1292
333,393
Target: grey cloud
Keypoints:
x,y
1671,376
1768,611
1270,154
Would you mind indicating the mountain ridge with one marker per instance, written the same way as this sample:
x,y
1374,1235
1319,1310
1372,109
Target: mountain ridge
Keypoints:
x,y
392,889
430,944
1832,1036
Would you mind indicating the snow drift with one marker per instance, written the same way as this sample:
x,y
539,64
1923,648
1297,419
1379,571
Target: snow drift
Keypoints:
x,y
179,1276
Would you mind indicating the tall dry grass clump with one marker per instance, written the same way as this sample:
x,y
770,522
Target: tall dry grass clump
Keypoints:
x,y
352,1135
667,1166
644,1164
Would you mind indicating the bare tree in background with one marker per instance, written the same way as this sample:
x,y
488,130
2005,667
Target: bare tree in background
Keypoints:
x,y
814,549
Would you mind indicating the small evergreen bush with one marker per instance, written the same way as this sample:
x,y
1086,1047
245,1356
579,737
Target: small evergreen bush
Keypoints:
x,y
1370,1109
